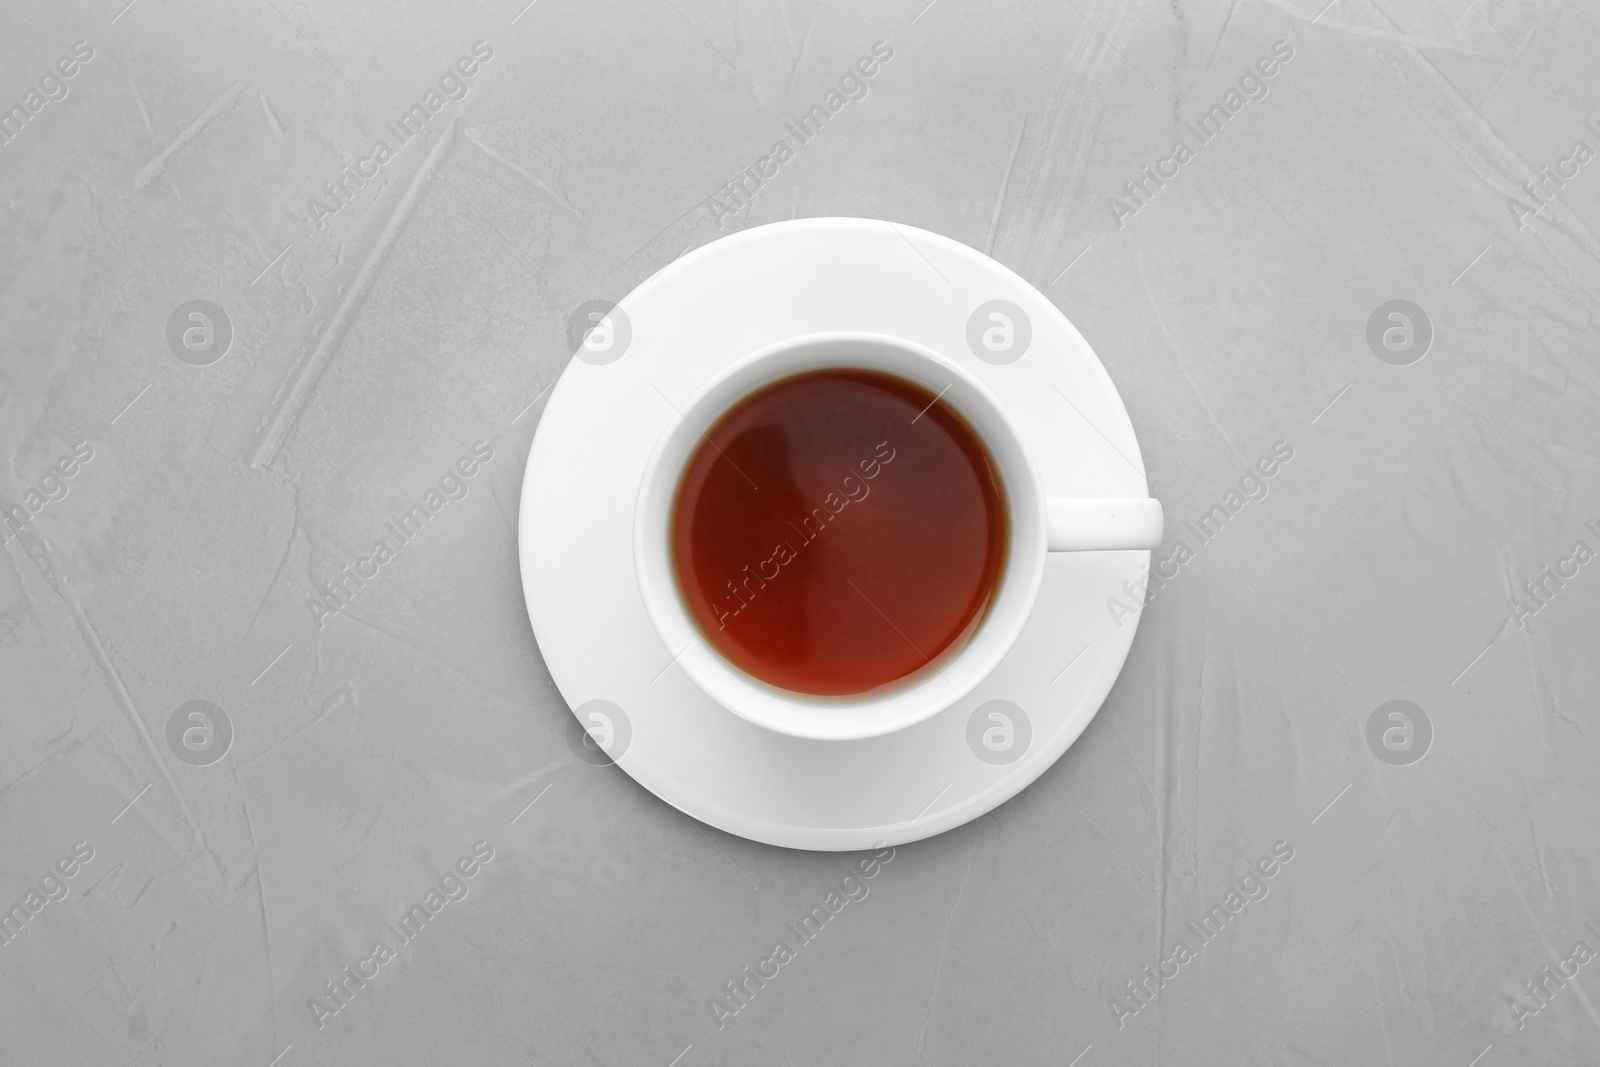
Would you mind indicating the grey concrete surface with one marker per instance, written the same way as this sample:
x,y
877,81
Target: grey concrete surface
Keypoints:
x,y
190,885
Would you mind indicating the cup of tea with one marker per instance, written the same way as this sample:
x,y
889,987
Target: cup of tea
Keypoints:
x,y
843,534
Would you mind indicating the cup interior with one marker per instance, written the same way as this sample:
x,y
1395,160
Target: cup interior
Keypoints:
x,y
931,690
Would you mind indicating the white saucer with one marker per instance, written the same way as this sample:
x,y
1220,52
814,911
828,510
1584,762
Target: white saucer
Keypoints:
x,y
711,306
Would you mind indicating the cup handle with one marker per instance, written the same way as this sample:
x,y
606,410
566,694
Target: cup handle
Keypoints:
x,y
1082,525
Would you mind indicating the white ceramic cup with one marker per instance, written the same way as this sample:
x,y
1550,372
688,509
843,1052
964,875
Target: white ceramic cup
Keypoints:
x,y
1036,525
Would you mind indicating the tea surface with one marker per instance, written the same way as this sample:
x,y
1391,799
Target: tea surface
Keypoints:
x,y
839,531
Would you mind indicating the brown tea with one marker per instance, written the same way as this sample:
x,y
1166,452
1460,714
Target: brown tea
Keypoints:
x,y
839,531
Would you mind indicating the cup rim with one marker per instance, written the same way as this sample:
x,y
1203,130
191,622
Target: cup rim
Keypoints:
x,y
829,718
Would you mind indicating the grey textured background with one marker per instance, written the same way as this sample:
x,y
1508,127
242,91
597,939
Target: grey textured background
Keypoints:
x,y
371,751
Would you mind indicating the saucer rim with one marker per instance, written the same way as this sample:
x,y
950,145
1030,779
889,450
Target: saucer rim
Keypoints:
x,y
1069,722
